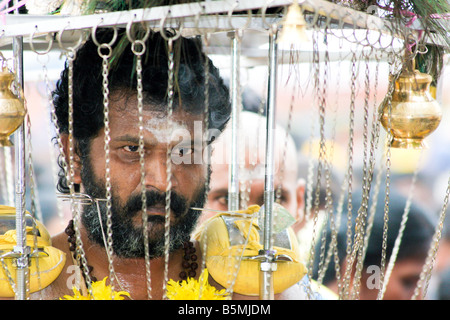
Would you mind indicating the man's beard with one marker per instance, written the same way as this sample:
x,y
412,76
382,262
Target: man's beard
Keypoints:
x,y
128,240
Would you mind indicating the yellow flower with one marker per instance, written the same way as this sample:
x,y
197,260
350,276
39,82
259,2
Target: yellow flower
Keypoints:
x,y
100,291
192,289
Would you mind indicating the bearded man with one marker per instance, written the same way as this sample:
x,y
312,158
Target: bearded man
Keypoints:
x,y
188,179
115,173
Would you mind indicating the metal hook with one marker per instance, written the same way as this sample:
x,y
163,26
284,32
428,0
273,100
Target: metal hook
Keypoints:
x,y
263,13
315,16
163,33
131,37
94,37
50,43
197,19
230,13
72,49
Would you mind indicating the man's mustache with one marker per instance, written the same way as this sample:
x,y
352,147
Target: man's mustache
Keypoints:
x,y
178,203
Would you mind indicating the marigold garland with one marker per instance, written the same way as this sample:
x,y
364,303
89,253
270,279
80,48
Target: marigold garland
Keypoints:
x,y
100,291
192,289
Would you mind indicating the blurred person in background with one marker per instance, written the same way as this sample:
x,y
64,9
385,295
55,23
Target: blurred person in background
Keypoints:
x,y
414,245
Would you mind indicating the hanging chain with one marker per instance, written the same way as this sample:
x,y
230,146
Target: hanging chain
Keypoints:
x,y
170,98
368,170
427,269
138,48
387,186
401,230
346,279
5,268
80,253
328,205
322,156
286,140
329,214
362,211
34,206
374,143
50,106
105,51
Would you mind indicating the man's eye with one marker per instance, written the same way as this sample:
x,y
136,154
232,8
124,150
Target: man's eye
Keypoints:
x,y
223,200
131,148
182,151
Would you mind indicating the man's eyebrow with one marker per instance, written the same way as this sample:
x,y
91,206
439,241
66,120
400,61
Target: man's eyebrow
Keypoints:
x,y
127,138
221,190
134,139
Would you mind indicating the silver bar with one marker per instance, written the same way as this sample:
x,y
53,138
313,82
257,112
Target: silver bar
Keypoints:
x,y
268,265
25,25
19,138
47,24
233,172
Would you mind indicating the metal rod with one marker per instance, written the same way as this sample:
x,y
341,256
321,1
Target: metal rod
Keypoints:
x,y
19,137
268,265
55,23
233,172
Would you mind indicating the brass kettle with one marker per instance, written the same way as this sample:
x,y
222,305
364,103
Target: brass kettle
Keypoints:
x,y
12,111
414,113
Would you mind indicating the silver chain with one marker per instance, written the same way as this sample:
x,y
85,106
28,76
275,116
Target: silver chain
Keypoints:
x,y
367,178
343,294
170,98
396,247
427,269
107,139
80,253
138,53
387,188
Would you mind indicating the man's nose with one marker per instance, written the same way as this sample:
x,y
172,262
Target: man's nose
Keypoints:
x,y
156,175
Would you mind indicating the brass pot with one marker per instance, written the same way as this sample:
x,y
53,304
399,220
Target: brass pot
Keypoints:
x,y
12,111
414,113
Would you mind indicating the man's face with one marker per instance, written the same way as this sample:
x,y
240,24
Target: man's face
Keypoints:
x,y
187,178
253,180
402,282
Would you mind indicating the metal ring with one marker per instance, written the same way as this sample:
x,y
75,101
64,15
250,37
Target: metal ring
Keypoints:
x,y
50,44
128,31
133,47
230,13
197,19
77,45
423,47
263,13
104,46
94,37
374,29
315,16
163,33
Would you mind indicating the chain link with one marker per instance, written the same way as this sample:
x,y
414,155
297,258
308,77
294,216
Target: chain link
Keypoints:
x,y
170,98
427,269
105,51
343,294
387,186
80,253
138,48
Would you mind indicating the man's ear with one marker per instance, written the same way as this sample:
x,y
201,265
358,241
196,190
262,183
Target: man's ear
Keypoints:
x,y
76,158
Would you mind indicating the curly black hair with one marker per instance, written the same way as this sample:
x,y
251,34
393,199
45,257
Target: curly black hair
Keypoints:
x,y
189,91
